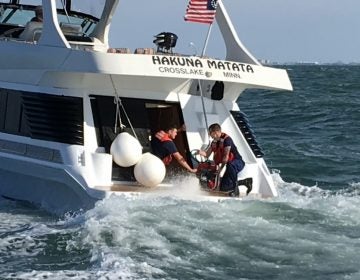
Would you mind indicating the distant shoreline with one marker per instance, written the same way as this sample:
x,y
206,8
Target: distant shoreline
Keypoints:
x,y
312,63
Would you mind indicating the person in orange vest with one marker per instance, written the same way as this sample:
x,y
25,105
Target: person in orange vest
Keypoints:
x,y
164,148
225,154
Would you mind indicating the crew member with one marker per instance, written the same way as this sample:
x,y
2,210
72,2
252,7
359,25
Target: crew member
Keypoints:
x,y
164,147
225,155
38,14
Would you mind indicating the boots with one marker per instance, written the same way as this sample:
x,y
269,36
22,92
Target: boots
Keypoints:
x,y
235,193
247,183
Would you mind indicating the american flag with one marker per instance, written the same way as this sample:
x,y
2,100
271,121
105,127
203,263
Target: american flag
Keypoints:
x,y
202,11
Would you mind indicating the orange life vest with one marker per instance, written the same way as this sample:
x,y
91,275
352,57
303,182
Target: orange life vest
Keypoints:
x,y
218,148
163,137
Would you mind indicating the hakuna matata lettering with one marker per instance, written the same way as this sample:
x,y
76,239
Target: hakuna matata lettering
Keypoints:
x,y
199,63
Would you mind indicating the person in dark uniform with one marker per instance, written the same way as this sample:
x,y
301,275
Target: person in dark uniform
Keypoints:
x,y
225,155
38,15
163,147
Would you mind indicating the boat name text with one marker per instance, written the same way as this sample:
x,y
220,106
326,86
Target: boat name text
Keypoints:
x,y
198,63
178,70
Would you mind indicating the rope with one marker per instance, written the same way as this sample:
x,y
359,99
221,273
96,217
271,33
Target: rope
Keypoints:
x,y
127,117
117,116
118,113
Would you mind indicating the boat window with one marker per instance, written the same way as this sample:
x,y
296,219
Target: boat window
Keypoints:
x,y
87,24
19,13
14,15
84,13
90,7
93,8
23,113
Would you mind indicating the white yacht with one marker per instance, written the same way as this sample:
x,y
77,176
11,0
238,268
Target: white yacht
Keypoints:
x,y
65,95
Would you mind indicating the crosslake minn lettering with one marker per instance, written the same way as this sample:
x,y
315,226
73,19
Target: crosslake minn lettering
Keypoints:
x,y
179,65
181,70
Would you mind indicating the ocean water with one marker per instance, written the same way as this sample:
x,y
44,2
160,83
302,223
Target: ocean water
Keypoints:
x,y
311,231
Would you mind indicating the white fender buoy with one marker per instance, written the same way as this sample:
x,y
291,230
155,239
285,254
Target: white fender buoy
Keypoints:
x,y
150,170
126,150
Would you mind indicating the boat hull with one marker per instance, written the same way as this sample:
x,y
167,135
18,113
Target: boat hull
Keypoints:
x,y
50,188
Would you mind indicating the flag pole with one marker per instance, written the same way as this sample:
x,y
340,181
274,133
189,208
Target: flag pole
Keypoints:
x,y
206,40
200,88
199,17
204,112
199,82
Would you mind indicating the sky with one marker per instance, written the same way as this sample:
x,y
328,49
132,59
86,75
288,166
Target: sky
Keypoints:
x,y
321,31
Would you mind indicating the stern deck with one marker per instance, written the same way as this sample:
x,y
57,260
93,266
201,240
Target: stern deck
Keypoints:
x,y
166,189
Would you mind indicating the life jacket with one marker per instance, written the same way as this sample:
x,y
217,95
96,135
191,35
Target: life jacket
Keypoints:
x,y
217,147
163,137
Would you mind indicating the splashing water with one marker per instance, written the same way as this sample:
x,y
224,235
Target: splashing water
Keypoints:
x,y
171,236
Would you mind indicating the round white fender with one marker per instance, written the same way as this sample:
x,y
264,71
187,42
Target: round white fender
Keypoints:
x,y
150,170
126,150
